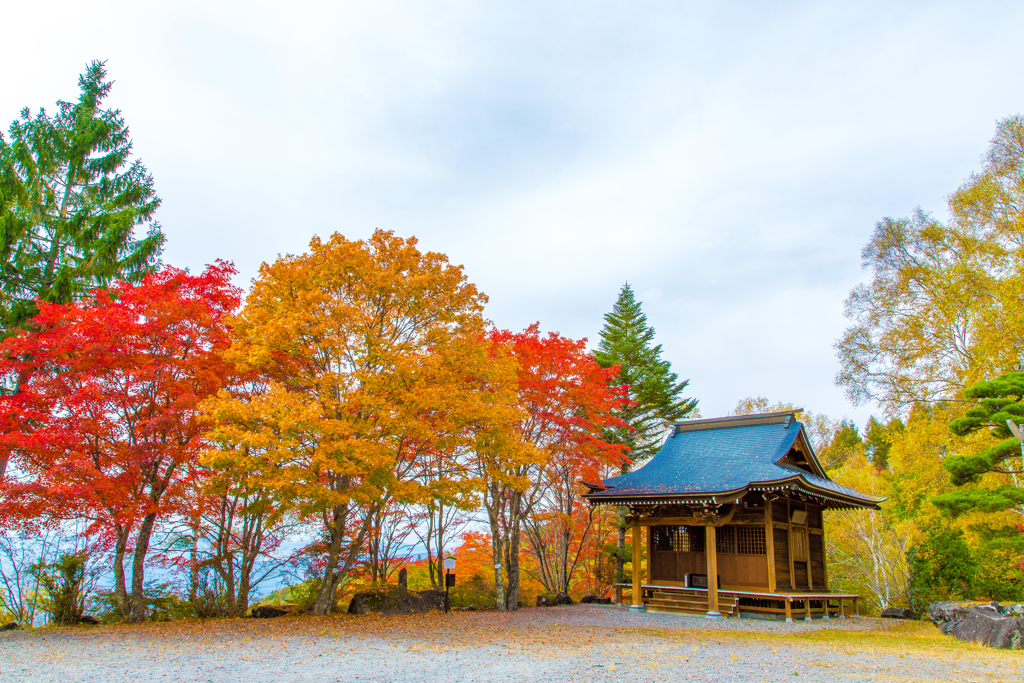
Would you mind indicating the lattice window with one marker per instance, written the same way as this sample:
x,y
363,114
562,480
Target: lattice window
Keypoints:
x,y
742,540
694,542
664,537
725,539
750,540
680,539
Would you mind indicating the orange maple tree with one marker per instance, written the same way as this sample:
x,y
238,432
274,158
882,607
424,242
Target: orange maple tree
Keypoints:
x,y
376,361
109,427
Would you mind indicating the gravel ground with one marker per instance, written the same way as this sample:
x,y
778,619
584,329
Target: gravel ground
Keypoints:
x,y
581,643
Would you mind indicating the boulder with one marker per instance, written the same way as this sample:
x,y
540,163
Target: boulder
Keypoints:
x,y
433,598
403,577
898,613
88,619
944,612
268,612
394,599
563,599
13,626
983,626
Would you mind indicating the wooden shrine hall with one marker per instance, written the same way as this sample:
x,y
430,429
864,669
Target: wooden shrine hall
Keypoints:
x,y
733,511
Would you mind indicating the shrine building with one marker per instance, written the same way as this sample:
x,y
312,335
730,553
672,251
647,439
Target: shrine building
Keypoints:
x,y
733,511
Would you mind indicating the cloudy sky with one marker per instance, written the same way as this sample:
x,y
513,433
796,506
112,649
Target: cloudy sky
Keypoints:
x,y
729,160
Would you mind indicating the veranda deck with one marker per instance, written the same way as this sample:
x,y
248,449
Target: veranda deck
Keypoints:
x,y
689,600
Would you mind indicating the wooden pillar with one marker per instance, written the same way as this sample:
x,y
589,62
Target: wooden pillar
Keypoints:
x,y
711,553
638,591
789,610
789,546
824,554
842,608
807,546
807,609
769,539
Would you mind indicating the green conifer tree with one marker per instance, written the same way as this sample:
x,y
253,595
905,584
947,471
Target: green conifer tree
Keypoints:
x,y
995,402
655,391
71,204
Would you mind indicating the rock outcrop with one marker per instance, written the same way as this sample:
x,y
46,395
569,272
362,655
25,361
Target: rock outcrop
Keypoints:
x,y
13,626
268,612
985,624
898,613
394,599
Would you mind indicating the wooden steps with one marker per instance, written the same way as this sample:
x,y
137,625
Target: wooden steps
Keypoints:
x,y
666,601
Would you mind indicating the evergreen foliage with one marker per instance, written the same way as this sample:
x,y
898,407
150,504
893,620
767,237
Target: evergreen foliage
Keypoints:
x,y
996,402
71,201
942,567
655,392
878,438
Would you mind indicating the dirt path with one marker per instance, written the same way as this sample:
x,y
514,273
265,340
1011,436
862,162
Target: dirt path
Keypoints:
x,y
570,643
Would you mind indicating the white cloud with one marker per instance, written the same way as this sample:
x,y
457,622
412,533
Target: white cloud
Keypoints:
x,y
729,160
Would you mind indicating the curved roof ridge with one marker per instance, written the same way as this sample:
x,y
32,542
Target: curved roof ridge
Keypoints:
x,y
723,456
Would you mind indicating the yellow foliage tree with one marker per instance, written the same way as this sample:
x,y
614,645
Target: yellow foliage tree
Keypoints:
x,y
867,549
942,309
376,363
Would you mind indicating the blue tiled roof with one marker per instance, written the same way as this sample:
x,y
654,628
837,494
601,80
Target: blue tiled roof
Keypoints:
x,y
721,460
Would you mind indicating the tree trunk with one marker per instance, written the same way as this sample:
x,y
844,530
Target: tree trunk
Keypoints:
x,y
138,611
120,590
512,552
336,528
497,549
193,564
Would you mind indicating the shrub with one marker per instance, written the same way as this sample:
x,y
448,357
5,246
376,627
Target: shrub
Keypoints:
x,y
64,584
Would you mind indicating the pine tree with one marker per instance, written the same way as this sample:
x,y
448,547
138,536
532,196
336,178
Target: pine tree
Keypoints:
x,y
994,403
69,207
655,391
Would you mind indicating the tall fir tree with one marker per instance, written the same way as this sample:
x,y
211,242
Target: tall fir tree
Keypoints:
x,y
72,203
655,392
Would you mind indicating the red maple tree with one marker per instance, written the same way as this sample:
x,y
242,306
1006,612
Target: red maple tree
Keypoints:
x,y
109,426
568,401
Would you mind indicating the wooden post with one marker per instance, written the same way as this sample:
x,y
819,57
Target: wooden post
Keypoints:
x,y
842,608
769,539
711,554
807,543
789,610
824,555
807,609
638,591
856,608
789,546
